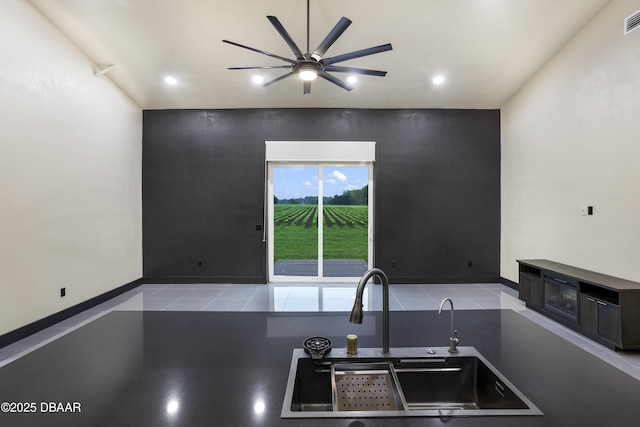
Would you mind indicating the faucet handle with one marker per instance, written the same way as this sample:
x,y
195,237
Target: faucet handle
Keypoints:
x,y
454,342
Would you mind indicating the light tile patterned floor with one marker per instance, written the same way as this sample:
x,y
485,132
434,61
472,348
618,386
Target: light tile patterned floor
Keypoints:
x,y
316,297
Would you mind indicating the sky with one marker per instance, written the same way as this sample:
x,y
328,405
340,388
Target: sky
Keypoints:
x,y
291,182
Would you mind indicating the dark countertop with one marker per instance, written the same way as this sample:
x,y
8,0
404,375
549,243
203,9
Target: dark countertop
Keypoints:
x,y
125,368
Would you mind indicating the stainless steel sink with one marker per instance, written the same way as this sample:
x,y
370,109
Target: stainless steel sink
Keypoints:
x,y
407,382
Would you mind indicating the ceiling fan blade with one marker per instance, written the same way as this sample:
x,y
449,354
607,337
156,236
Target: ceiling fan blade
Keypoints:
x,y
356,54
278,79
331,38
307,87
259,68
352,70
285,35
334,80
282,58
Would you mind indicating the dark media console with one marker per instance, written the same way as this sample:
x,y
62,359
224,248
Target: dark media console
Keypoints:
x,y
603,308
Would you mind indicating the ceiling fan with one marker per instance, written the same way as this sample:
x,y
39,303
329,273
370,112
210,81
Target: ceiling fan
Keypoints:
x,y
310,65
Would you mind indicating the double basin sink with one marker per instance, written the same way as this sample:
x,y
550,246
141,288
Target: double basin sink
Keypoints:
x,y
407,382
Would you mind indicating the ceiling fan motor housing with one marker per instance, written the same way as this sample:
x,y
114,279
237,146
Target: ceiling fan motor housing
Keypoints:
x,y
308,65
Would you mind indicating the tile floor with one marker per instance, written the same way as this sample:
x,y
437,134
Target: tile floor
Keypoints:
x,y
316,297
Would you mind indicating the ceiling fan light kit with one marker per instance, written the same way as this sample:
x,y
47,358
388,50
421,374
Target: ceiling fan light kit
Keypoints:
x,y
307,70
308,66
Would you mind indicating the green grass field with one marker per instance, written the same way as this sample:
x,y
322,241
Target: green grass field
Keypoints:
x,y
344,232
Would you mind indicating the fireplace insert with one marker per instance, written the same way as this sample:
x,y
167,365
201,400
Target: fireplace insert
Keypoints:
x,y
561,297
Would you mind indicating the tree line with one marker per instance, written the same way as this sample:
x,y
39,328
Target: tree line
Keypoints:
x,y
348,197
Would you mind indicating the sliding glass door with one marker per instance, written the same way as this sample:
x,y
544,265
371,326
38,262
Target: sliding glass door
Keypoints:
x,y
295,221
345,231
320,219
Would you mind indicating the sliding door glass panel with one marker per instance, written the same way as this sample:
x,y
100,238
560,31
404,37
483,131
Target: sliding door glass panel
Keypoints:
x,y
295,220
345,213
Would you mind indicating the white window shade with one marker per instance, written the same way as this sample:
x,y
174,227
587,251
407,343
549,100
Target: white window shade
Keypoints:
x,y
320,151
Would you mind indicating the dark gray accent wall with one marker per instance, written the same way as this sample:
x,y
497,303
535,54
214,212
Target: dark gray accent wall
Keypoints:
x,y
436,184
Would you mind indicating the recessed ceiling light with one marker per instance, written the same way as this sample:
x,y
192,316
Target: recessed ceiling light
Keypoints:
x,y
170,80
258,79
437,80
352,79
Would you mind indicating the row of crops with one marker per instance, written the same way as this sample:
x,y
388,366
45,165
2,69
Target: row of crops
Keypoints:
x,y
334,216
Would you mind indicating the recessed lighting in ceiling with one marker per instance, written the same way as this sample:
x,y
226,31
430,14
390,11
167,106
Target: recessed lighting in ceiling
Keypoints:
x,y
257,79
438,80
170,80
352,79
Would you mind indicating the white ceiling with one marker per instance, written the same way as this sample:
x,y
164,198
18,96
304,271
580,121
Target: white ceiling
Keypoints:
x,y
486,49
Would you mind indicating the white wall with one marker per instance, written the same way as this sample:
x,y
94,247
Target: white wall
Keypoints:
x,y
570,137
70,173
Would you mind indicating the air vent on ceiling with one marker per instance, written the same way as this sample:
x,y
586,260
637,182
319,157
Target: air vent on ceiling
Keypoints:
x,y
632,22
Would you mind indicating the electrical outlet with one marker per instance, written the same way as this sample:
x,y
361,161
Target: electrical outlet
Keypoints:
x,y
63,292
393,264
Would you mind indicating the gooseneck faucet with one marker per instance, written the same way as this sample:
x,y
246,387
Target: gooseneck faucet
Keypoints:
x,y
356,312
453,340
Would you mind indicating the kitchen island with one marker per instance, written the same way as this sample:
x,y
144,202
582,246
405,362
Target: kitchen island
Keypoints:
x,y
195,369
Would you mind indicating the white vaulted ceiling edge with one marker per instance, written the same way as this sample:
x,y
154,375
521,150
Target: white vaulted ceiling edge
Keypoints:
x,y
486,49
